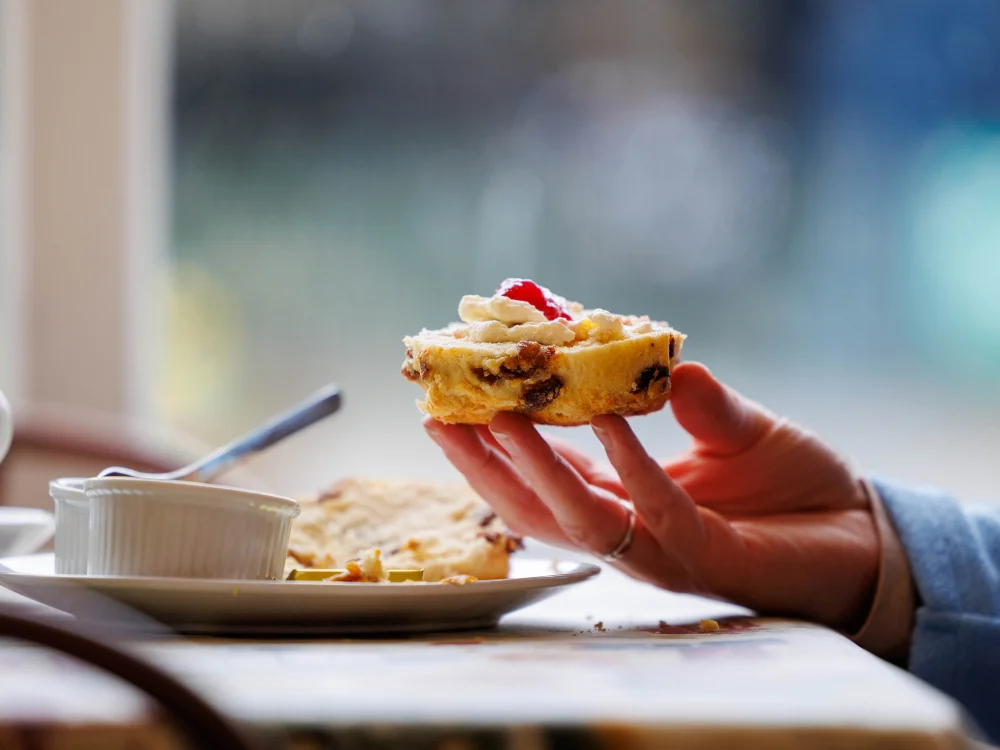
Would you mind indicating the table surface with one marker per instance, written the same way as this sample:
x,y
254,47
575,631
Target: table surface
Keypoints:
x,y
609,663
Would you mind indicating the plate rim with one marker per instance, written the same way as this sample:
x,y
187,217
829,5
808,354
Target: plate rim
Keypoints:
x,y
42,518
579,572
36,525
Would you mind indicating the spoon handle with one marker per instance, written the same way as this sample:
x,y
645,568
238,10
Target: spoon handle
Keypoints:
x,y
319,405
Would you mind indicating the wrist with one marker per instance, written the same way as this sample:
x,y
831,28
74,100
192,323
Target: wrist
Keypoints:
x,y
888,622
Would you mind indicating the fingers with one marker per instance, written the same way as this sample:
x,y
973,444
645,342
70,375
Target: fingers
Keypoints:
x,y
593,472
589,517
590,470
539,491
491,474
666,509
487,437
721,421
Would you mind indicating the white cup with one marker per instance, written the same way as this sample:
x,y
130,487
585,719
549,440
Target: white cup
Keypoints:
x,y
72,540
6,426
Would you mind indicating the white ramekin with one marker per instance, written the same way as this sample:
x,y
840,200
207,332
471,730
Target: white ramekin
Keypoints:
x,y
141,527
72,525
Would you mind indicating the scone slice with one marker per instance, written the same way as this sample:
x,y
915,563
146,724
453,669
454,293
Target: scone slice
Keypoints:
x,y
470,382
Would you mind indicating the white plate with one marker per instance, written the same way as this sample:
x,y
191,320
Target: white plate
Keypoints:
x,y
24,530
213,606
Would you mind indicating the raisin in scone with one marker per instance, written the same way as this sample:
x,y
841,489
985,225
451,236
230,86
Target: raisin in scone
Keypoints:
x,y
529,351
444,529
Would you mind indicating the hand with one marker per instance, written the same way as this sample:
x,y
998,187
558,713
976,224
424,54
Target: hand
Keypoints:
x,y
758,512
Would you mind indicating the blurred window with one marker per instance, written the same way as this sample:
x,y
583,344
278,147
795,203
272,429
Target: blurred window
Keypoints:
x,y
808,190
7,275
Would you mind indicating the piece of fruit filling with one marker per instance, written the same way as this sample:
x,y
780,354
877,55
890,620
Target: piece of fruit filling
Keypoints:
x,y
524,290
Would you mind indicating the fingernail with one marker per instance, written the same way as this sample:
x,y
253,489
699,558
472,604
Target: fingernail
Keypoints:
x,y
432,430
505,440
601,433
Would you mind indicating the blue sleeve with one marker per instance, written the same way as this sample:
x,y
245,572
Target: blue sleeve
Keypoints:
x,y
954,555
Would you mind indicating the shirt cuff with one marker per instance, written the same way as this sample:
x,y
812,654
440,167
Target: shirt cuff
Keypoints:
x,y
887,629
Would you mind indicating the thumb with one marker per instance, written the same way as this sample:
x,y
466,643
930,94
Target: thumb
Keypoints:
x,y
720,420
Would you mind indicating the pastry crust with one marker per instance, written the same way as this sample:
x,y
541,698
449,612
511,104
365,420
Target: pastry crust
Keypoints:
x,y
444,529
469,382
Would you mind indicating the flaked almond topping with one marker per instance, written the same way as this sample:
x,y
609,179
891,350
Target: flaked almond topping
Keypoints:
x,y
490,536
335,490
509,542
302,558
352,574
459,580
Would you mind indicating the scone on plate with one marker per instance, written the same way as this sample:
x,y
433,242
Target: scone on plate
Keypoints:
x,y
445,529
529,351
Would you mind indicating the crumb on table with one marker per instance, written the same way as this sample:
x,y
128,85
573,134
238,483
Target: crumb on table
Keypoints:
x,y
708,626
599,627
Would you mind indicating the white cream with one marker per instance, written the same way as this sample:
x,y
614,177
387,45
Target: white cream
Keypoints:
x,y
607,326
511,312
550,333
499,319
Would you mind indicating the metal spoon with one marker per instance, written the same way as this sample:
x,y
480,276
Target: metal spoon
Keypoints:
x,y
321,404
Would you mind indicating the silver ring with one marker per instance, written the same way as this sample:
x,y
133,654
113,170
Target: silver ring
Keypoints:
x,y
627,538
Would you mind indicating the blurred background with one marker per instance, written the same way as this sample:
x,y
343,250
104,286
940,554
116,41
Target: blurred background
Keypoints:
x,y
214,207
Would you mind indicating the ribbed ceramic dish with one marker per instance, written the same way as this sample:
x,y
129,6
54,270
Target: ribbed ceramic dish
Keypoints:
x,y
141,527
72,525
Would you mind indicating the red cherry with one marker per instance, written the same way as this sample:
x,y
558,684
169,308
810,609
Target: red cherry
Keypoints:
x,y
537,296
